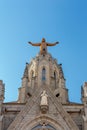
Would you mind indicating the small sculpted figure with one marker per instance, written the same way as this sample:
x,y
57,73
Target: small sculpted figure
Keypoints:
x,y
44,100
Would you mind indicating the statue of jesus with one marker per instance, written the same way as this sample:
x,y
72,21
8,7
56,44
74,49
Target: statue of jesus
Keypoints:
x,y
43,45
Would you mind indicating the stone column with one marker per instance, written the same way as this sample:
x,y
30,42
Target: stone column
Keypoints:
x,y
84,100
23,90
1,122
1,95
85,117
1,103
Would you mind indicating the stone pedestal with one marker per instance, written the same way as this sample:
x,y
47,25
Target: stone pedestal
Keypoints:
x,y
44,108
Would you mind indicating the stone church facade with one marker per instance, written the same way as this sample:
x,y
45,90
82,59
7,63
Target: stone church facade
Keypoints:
x,y
43,102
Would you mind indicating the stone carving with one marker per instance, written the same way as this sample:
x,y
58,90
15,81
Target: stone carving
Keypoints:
x,y
43,45
44,100
44,125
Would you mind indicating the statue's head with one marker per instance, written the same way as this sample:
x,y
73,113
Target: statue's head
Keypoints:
x,y
44,92
43,40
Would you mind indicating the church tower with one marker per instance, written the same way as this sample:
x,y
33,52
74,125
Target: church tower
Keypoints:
x,y
43,71
43,102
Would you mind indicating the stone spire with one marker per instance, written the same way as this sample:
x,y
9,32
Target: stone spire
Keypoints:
x,y
23,88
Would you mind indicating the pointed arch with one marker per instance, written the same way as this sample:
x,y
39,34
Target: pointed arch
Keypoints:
x,y
38,122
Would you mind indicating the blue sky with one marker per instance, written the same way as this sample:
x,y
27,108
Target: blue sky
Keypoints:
x,y
31,20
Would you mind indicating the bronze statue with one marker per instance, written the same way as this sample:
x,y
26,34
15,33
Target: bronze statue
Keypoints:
x,y
43,45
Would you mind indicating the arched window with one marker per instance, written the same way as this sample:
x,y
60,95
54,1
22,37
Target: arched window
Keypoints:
x,y
43,74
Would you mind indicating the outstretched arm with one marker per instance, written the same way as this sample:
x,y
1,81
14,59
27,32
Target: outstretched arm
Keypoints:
x,y
34,44
52,44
